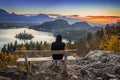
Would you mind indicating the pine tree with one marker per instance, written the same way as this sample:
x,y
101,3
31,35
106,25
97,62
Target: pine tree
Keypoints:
x,y
4,49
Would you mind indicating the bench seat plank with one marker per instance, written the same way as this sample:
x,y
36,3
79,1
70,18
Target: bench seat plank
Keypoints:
x,y
43,59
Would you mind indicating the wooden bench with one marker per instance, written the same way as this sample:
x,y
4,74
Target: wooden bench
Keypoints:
x,y
26,59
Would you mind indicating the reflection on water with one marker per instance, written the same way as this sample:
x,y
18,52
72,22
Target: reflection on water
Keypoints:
x,y
7,35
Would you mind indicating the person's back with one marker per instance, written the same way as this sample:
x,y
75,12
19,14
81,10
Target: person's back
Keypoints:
x,y
58,45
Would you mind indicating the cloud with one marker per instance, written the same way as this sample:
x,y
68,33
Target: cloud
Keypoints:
x,y
104,16
102,19
96,19
74,16
54,15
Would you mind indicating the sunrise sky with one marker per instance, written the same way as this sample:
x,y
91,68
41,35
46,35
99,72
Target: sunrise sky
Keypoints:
x,y
99,11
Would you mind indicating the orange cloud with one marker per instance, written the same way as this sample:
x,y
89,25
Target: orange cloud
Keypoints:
x,y
74,16
101,19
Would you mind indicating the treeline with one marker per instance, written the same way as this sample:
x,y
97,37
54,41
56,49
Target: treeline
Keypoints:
x,y
108,39
11,47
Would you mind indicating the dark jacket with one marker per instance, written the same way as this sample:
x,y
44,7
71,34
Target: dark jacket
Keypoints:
x,y
58,45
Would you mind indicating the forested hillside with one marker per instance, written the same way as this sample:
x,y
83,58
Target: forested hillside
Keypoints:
x,y
107,39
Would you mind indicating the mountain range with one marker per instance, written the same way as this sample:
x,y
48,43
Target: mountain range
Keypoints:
x,y
39,18
16,18
61,24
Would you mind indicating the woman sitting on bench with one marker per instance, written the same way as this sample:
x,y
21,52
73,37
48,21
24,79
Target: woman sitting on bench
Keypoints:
x,y
58,45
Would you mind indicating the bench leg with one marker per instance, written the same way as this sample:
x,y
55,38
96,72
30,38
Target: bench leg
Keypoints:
x,y
27,64
65,68
65,63
28,68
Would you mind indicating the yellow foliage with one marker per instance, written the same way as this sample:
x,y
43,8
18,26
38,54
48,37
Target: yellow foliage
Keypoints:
x,y
112,44
87,45
23,47
7,59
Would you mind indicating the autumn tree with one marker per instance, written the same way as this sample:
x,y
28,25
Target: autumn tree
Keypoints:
x,y
7,59
112,44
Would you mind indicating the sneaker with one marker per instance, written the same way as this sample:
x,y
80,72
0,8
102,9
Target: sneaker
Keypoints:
x,y
55,63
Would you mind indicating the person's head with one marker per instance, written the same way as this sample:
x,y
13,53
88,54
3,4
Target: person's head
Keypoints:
x,y
58,38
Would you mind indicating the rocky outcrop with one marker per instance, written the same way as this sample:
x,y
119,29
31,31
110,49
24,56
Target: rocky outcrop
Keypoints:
x,y
99,65
96,65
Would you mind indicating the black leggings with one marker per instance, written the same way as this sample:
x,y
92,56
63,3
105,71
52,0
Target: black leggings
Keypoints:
x,y
57,56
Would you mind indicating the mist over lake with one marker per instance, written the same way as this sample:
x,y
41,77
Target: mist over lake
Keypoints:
x,y
8,35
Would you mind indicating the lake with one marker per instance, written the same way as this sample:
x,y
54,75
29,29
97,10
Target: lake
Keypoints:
x,y
8,35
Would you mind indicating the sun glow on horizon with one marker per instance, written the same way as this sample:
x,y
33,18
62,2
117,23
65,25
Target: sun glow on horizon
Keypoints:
x,y
102,19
